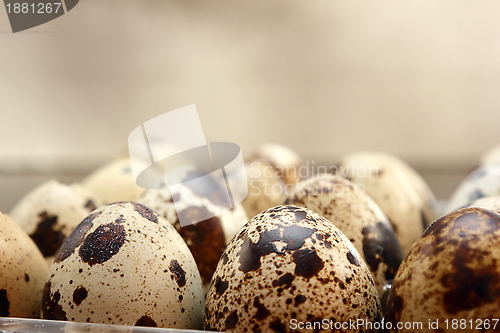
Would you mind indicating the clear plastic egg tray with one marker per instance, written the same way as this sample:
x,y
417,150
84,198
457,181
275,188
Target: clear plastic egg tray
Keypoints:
x,y
53,326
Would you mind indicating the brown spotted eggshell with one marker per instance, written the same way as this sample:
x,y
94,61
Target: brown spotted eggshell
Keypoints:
x,y
22,272
206,239
358,217
289,264
51,211
451,272
124,264
398,190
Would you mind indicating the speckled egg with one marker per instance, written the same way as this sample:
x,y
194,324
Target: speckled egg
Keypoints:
x,y
124,264
491,203
451,273
22,272
51,211
396,188
265,188
113,182
358,217
206,239
287,164
289,267
483,182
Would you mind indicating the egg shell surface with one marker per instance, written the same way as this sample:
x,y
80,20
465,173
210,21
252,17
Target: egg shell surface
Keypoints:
x,y
113,182
265,188
490,203
482,182
124,264
22,272
289,263
288,165
207,238
393,189
451,272
358,217
51,211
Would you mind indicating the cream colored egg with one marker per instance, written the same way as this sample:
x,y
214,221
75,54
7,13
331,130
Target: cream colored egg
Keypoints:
x,y
492,156
491,203
482,182
287,268
206,239
124,264
22,272
287,164
358,217
265,188
113,182
451,275
400,193
51,211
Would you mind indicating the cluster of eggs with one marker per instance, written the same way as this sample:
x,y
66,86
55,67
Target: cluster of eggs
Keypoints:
x,y
303,252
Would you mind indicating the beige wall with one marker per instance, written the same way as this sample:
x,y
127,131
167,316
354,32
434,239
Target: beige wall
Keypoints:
x,y
419,79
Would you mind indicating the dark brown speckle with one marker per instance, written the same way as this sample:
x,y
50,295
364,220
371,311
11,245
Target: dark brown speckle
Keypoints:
x,y
51,309
102,244
178,273
90,205
250,253
352,259
220,286
4,303
380,245
145,212
232,320
46,237
262,311
307,262
75,238
146,321
205,239
79,294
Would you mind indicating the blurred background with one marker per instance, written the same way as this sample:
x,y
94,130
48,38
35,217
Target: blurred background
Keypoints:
x,y
420,80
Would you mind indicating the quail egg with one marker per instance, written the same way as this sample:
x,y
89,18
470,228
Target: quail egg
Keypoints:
x,y
484,181
287,269
51,211
491,203
265,188
113,182
22,272
287,164
358,217
451,274
396,188
207,238
124,264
